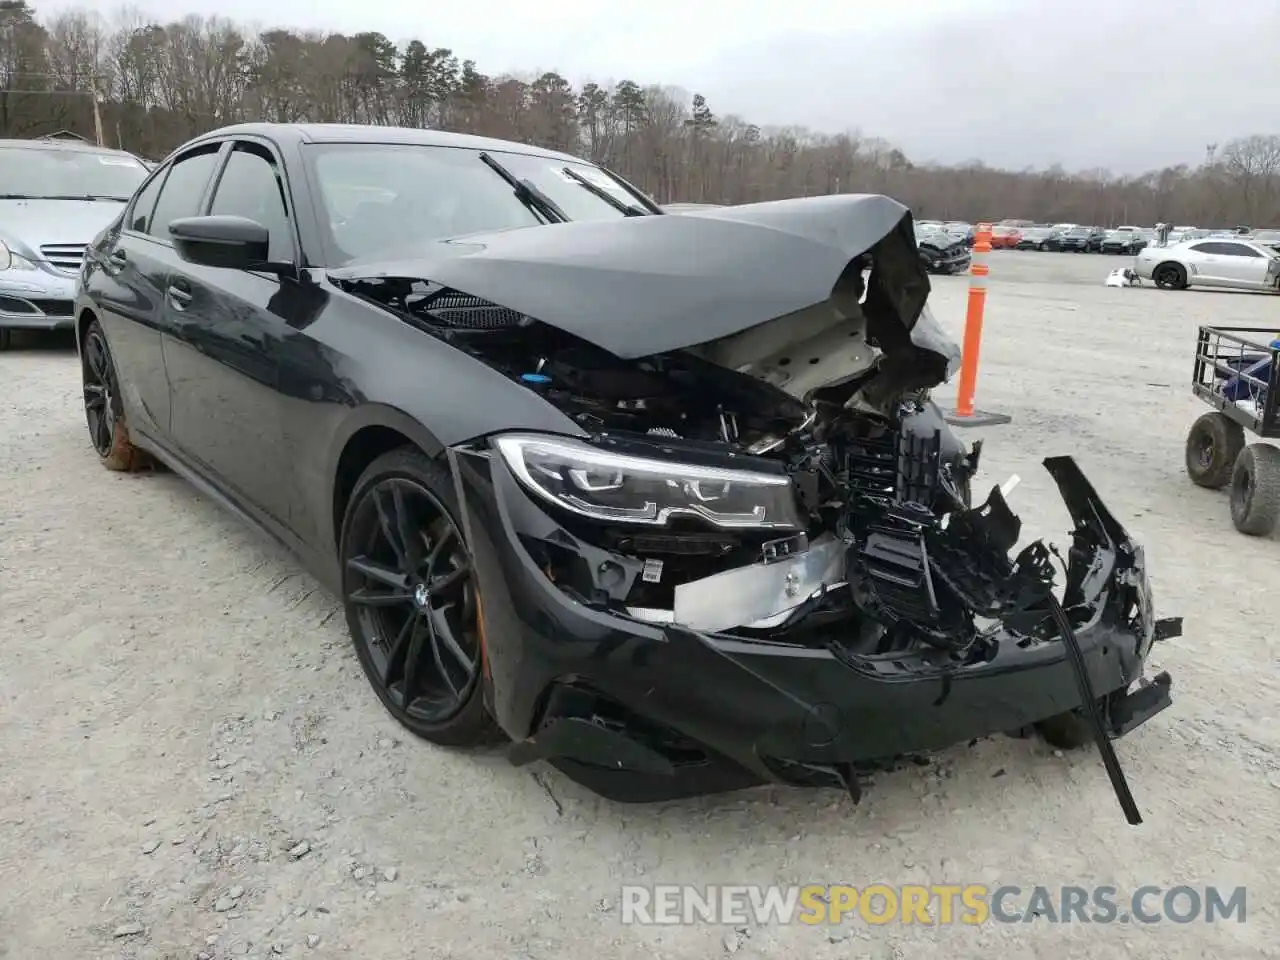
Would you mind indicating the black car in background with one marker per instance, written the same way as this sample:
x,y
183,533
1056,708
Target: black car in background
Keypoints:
x,y
673,522
1123,241
942,252
1036,238
1078,240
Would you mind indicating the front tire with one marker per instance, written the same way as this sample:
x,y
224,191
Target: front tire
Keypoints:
x,y
103,408
1213,444
1170,276
1255,490
6,338
1066,731
412,605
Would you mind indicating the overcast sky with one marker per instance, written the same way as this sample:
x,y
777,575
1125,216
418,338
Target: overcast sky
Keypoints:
x,y
1130,85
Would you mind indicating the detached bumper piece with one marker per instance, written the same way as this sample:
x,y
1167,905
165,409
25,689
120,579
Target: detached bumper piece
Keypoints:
x,y
640,710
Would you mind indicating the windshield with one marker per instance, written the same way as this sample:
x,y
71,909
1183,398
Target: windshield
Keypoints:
x,y
379,198
1079,232
42,173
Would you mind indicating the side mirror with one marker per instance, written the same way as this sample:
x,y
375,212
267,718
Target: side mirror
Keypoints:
x,y
233,243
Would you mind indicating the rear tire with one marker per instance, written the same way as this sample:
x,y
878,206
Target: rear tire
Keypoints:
x,y
411,602
103,408
1255,490
1170,276
6,338
1213,444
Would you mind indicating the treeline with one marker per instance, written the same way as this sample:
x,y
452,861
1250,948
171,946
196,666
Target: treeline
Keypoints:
x,y
162,83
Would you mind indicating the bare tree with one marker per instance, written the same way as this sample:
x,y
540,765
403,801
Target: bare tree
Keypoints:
x,y
164,82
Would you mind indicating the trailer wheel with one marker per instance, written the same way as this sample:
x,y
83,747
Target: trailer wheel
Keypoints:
x,y
1213,443
1255,490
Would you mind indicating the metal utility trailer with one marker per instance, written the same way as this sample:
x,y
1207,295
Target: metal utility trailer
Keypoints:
x,y
1237,372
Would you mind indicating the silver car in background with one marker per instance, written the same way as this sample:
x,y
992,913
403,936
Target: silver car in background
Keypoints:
x,y
1234,264
55,197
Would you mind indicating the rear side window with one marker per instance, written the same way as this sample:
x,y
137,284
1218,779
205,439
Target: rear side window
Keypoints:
x,y
144,203
1238,250
183,190
250,186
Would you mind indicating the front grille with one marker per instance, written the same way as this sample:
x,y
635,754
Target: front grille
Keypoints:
x,y
66,257
34,306
15,305
54,308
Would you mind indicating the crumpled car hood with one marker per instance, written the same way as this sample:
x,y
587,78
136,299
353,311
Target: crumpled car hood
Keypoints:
x,y
640,286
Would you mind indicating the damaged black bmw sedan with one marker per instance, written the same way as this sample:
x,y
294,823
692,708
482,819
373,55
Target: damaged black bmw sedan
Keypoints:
x,y
662,499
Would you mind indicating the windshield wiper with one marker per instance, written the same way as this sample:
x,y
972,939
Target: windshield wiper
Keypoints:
x,y
86,196
62,196
626,209
528,192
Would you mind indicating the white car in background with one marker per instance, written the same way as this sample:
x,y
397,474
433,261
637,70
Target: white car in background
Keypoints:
x,y
1232,264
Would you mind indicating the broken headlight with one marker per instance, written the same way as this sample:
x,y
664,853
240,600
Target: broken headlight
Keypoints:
x,y
623,488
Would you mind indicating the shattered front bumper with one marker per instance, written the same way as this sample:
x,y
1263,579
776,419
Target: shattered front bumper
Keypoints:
x,y
951,263
646,711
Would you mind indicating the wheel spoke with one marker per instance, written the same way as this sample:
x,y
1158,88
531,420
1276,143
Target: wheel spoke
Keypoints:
x,y
436,635
442,633
380,572
399,647
404,527
95,396
412,664
368,598
437,550
102,432
98,359
389,530
443,584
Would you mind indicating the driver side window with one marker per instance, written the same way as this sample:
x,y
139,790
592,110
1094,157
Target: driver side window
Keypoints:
x,y
251,187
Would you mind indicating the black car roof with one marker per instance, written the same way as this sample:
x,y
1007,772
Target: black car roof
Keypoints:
x,y
368,133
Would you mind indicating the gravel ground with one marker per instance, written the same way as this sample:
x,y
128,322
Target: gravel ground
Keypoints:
x,y
193,765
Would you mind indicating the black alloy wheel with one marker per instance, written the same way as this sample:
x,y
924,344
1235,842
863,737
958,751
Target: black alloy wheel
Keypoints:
x,y
101,404
103,410
411,602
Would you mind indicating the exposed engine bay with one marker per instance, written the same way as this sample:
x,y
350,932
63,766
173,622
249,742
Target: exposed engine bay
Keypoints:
x,y
735,484
879,529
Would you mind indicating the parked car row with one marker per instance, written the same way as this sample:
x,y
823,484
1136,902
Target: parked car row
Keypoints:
x,y
1071,238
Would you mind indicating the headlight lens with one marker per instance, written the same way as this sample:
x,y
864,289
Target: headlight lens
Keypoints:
x,y
12,261
622,488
